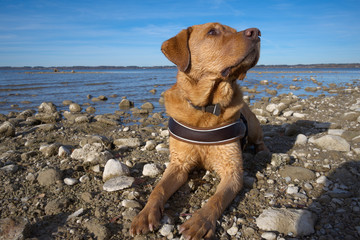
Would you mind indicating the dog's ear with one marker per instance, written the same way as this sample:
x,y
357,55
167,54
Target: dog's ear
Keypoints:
x,y
176,49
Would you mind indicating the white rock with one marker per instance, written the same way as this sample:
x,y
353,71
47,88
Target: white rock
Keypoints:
x,y
118,183
63,152
233,230
127,142
75,214
336,132
322,180
333,143
292,190
296,221
130,204
271,107
81,119
162,148
151,170
166,230
70,181
262,119
268,236
114,168
84,178
288,114
150,145
299,115
164,133
301,139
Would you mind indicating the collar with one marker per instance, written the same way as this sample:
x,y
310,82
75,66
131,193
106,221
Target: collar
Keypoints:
x,y
207,136
213,108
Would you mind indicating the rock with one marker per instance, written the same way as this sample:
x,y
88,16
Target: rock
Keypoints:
x,y
292,190
70,181
127,142
67,102
332,143
49,150
7,129
75,108
46,127
12,168
63,152
90,109
82,119
48,117
292,130
99,230
118,183
322,180
166,230
164,133
264,82
47,107
114,168
130,204
107,120
56,206
75,214
278,159
299,173
102,140
233,230
268,236
147,105
14,228
301,140
125,103
162,148
299,115
103,98
296,221
151,170
150,145
49,177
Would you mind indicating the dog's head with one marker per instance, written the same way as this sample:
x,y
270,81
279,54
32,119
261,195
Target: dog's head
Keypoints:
x,y
214,51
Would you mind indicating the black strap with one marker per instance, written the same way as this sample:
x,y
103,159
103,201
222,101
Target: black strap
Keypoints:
x,y
208,136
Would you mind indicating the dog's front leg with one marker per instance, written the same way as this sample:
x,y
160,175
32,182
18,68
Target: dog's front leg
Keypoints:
x,y
149,218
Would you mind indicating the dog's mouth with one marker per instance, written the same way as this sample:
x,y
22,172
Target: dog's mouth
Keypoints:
x,y
243,64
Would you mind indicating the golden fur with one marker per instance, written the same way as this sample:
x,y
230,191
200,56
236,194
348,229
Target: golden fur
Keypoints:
x,y
210,58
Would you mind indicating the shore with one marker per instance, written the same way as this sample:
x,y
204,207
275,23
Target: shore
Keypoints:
x,y
75,175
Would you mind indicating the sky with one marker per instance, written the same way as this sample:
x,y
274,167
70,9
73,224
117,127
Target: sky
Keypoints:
x,y
126,33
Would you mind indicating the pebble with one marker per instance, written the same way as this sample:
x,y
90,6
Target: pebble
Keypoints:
x,y
130,204
70,181
147,105
296,221
7,129
268,236
151,170
64,152
114,168
125,103
322,180
233,230
295,172
49,177
118,183
47,107
74,108
12,168
332,143
166,230
127,142
162,148
292,190
150,145
301,140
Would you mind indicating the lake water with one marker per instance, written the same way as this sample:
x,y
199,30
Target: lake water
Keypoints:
x,y
20,89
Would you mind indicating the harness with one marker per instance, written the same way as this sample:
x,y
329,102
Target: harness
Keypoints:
x,y
232,132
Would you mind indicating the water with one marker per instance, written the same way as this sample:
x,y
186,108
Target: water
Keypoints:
x,y
21,89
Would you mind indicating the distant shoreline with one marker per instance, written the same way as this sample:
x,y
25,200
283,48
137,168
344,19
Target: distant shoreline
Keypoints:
x,y
62,68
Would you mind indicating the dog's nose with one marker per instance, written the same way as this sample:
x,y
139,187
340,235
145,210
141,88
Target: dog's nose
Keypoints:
x,y
252,33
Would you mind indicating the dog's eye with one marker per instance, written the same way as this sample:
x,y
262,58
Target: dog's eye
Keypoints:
x,y
213,32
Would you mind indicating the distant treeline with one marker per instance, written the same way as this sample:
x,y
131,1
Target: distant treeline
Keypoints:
x,y
331,65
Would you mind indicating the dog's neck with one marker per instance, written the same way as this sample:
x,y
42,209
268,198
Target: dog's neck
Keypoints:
x,y
207,91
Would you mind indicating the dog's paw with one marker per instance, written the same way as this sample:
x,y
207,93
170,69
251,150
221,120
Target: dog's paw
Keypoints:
x,y
199,226
147,220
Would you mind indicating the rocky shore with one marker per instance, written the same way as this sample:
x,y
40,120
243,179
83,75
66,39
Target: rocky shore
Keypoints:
x,y
75,175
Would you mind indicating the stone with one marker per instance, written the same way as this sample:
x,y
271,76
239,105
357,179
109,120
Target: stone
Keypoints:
x,y
322,180
12,168
90,109
114,168
127,142
49,177
56,206
268,236
332,143
150,145
67,102
70,181
82,119
118,183
295,172
7,129
166,230
99,230
147,105
292,190
14,228
278,159
75,108
130,204
233,230
49,150
47,107
125,103
162,148
301,140
75,214
297,222
64,152
151,170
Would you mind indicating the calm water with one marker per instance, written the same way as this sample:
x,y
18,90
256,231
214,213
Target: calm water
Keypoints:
x,y
26,90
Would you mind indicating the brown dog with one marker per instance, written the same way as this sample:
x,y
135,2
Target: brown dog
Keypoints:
x,y
210,58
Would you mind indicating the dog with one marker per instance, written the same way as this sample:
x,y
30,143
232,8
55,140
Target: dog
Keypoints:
x,y
206,100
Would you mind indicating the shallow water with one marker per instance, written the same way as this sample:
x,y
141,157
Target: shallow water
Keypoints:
x,y
20,90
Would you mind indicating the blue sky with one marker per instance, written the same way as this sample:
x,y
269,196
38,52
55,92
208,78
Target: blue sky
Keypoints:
x,y
123,33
